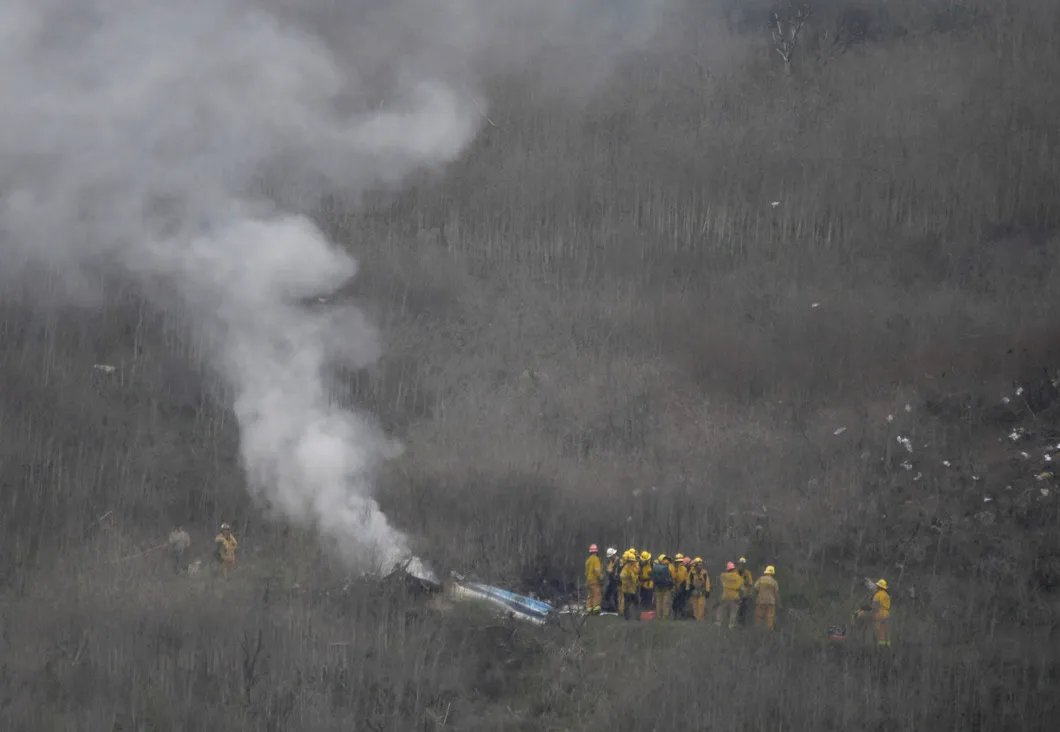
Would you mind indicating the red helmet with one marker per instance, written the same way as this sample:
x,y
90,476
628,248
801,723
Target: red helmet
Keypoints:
x,y
730,566
593,549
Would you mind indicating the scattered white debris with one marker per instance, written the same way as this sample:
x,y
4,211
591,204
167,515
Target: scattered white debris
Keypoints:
x,y
322,300
815,305
774,204
1015,434
975,477
946,463
905,442
890,417
105,368
907,465
908,408
1044,491
917,477
839,431
1043,476
987,499
1005,400
1025,455
637,492
629,519
1048,458
1019,391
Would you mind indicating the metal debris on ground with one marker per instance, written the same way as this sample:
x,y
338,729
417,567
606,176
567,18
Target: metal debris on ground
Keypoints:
x,y
839,431
105,368
890,417
987,499
946,463
1024,454
1019,391
905,442
1016,434
1044,491
907,465
908,408
918,476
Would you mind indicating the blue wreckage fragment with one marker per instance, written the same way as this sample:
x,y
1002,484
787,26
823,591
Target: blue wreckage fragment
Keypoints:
x,y
518,606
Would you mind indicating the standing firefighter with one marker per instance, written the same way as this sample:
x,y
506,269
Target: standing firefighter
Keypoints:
x,y
881,613
629,581
767,596
611,569
682,585
225,548
594,577
731,588
647,589
744,616
179,542
662,576
700,589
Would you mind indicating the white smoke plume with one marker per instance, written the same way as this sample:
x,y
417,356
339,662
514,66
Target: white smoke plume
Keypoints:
x,y
138,138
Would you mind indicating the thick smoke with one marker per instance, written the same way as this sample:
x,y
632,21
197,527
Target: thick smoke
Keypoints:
x,y
139,139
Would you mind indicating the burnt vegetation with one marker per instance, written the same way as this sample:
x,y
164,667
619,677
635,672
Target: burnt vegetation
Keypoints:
x,y
785,286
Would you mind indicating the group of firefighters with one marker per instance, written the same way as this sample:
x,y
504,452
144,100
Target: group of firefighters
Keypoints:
x,y
224,554
678,587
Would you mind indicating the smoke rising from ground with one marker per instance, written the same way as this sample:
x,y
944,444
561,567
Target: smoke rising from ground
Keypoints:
x,y
139,135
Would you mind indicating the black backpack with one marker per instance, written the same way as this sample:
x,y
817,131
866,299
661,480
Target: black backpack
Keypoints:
x,y
661,577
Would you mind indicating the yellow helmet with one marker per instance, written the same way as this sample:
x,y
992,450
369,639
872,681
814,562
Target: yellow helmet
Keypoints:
x,y
645,556
679,556
881,583
697,560
771,569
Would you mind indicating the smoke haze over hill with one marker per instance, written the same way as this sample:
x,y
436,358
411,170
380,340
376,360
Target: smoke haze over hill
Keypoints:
x,y
140,139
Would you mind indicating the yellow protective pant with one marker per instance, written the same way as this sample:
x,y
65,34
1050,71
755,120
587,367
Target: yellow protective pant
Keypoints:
x,y
596,594
664,604
882,629
699,607
727,612
765,616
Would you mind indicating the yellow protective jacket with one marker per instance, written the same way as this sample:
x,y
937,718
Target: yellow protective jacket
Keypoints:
x,y
881,604
767,591
700,581
226,548
629,577
593,570
731,585
645,576
681,579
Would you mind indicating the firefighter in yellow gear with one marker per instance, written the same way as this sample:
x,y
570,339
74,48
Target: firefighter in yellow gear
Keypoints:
x,y
629,584
881,613
731,589
744,614
700,588
225,545
647,587
682,585
766,593
594,579
662,576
